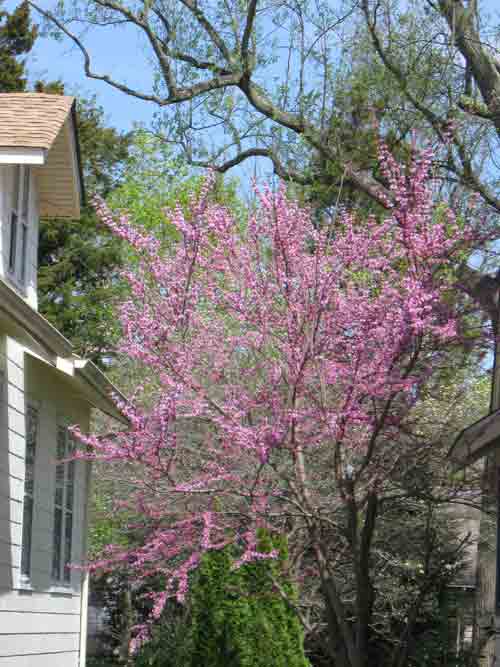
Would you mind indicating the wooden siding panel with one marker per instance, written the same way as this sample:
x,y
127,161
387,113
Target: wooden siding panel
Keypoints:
x,y
9,531
13,622
15,395
44,660
16,376
28,602
10,511
15,466
14,352
30,644
17,444
15,421
11,487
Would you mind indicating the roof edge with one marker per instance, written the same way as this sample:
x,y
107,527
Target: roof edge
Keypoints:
x,y
474,441
100,383
31,320
49,338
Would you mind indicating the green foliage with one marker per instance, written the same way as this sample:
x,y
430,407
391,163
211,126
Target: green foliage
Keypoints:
x,y
162,650
154,182
236,618
77,281
239,619
105,527
16,38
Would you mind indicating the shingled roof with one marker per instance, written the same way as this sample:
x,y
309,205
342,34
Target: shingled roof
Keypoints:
x,y
44,124
32,120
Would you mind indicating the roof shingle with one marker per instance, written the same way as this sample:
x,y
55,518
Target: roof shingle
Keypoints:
x,y
32,120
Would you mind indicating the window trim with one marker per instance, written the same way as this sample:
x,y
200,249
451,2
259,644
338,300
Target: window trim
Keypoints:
x,y
19,224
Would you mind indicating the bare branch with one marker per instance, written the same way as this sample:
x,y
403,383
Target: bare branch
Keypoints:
x,y
214,36
87,62
175,96
252,10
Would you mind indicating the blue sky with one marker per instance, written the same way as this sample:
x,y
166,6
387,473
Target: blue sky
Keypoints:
x,y
118,52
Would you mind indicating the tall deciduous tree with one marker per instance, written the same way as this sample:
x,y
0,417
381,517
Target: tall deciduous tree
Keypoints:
x,y
268,80
288,365
17,36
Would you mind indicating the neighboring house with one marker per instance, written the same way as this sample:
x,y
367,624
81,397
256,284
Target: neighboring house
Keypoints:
x,y
481,441
44,388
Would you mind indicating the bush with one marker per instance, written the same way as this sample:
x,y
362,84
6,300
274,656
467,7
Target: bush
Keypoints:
x,y
235,618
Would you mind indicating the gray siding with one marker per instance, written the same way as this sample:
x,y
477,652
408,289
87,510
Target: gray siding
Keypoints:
x,y
39,623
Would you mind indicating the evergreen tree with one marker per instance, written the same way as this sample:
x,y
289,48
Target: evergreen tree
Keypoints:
x,y
79,260
17,36
235,617
239,619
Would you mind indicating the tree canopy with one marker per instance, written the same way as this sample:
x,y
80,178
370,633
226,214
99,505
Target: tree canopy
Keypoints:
x,y
305,85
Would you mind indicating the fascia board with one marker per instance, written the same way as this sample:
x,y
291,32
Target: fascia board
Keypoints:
x,y
94,377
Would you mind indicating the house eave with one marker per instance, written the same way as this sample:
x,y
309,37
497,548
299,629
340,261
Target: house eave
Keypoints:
x,y
92,382
101,385
35,324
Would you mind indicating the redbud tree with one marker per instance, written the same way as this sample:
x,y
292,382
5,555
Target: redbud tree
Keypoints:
x,y
284,361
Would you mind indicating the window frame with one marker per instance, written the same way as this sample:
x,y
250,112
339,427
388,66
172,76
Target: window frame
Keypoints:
x,y
25,565
63,515
19,224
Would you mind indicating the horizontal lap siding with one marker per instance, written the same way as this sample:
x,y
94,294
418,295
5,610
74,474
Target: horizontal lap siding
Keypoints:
x,y
37,627
43,642
51,659
22,623
31,602
12,464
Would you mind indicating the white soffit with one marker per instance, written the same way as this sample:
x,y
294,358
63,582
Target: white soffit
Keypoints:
x,y
13,155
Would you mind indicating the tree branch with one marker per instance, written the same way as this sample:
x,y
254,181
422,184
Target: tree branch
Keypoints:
x,y
214,36
252,10
482,65
87,62
176,94
286,173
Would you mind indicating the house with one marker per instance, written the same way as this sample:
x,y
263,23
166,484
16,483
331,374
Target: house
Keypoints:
x,y
481,442
44,388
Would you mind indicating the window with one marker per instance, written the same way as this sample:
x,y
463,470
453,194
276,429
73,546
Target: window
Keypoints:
x,y
29,488
19,218
63,508
14,218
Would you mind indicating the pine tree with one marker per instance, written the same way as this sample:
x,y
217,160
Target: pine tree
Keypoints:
x,y
17,36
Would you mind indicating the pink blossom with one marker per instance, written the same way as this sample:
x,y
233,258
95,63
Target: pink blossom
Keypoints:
x,y
273,348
